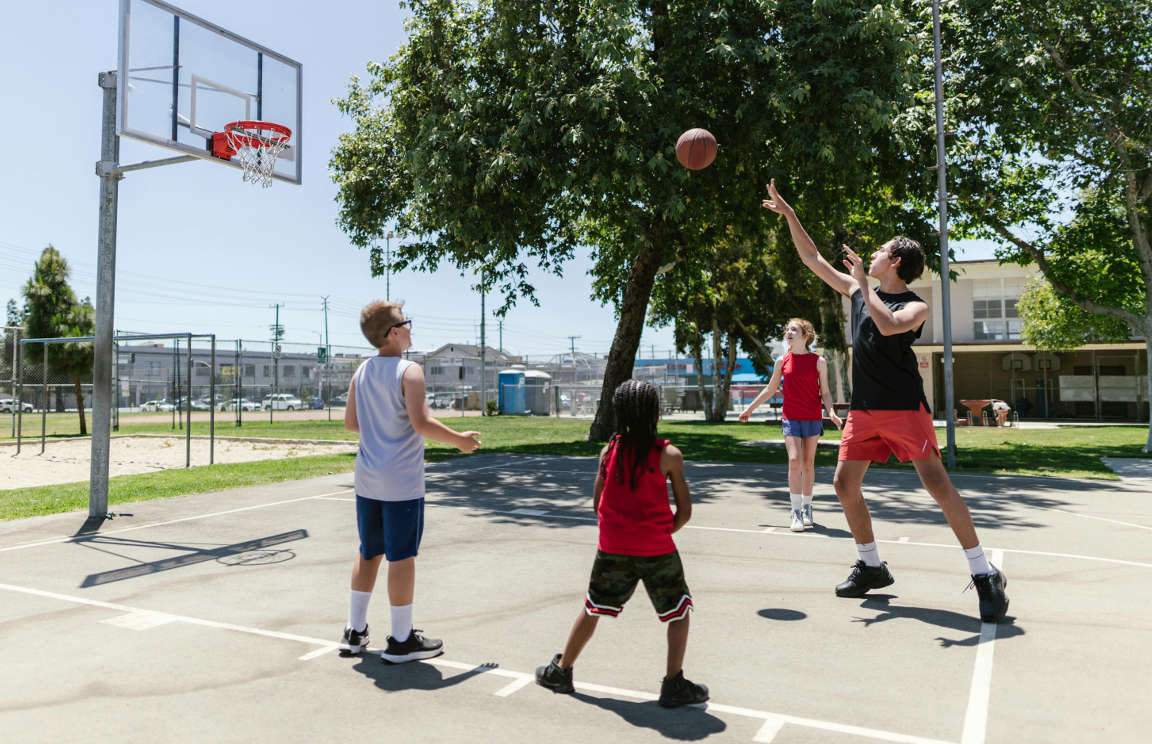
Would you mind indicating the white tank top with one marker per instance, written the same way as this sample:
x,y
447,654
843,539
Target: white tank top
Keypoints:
x,y
390,463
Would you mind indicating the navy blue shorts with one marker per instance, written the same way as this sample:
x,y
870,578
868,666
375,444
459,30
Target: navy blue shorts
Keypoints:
x,y
389,528
803,429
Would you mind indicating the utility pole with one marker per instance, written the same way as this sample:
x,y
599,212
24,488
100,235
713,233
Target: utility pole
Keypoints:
x,y
388,266
945,281
277,334
501,322
327,356
483,360
575,372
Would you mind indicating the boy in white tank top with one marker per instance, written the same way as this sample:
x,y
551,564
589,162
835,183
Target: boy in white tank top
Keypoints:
x,y
386,405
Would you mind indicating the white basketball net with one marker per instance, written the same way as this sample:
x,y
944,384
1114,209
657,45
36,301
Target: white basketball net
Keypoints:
x,y
257,148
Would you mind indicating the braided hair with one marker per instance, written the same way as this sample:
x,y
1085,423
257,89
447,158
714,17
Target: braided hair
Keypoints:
x,y
637,406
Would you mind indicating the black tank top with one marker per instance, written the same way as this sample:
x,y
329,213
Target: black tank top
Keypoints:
x,y
885,376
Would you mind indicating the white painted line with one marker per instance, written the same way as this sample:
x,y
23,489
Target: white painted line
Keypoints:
x,y
142,620
1102,519
515,686
75,538
503,465
767,732
902,540
489,669
318,652
333,498
976,717
528,512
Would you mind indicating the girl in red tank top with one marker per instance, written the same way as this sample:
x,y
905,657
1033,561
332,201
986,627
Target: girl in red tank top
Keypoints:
x,y
636,525
804,377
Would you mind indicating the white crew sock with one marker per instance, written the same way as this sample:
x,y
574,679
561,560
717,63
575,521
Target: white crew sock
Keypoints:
x,y
807,499
358,610
869,554
797,501
401,622
977,562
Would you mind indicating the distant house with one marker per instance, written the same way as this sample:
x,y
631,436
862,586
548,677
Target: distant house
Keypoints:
x,y
456,366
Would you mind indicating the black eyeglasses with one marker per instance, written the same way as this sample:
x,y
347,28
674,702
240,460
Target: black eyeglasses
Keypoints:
x,y
401,323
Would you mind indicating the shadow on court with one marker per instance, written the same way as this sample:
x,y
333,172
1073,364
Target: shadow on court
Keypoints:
x,y
935,616
416,676
686,724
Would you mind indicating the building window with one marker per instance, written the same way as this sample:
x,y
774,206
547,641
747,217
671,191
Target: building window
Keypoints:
x,y
201,371
994,314
152,369
249,370
289,371
267,370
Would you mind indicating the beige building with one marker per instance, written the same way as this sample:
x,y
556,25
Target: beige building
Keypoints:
x,y
1099,382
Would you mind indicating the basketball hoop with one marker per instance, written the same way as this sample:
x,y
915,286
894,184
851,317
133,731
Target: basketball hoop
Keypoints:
x,y
254,145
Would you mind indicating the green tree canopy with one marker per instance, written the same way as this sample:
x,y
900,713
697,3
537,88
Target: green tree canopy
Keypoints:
x,y
505,136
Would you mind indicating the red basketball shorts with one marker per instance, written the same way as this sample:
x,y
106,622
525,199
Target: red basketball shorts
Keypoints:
x,y
874,435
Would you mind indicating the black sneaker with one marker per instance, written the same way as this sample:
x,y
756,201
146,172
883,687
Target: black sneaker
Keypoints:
x,y
677,691
354,642
863,579
993,600
415,648
555,677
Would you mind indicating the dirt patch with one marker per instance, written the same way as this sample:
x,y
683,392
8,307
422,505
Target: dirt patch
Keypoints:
x,y
68,461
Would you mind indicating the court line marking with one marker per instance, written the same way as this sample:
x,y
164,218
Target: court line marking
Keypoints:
x,y
976,716
521,679
76,538
1102,519
514,686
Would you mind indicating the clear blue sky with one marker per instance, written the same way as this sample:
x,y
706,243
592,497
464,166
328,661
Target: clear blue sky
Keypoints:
x,y
198,249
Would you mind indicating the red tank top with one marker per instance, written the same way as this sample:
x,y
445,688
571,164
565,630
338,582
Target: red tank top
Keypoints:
x,y
801,387
635,521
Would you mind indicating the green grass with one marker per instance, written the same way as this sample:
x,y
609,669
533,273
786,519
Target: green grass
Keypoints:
x,y
1069,452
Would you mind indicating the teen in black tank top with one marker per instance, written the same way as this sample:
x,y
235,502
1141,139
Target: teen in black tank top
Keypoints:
x,y
885,375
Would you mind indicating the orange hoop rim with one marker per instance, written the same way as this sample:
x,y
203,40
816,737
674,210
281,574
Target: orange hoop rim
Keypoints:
x,y
278,134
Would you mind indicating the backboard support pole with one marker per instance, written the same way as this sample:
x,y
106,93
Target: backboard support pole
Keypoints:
x,y
105,302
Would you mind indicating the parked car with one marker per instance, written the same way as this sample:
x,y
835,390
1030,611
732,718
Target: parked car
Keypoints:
x,y
243,403
157,405
282,402
8,405
340,400
316,403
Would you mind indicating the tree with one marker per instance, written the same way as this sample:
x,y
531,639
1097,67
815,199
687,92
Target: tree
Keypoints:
x,y
52,311
14,319
510,134
1052,101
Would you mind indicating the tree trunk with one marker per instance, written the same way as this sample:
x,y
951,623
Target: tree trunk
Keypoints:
x,y
1148,382
698,354
722,385
80,404
633,310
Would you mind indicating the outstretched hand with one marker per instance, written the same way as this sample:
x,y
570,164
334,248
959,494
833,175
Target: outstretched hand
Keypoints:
x,y
470,440
854,264
775,202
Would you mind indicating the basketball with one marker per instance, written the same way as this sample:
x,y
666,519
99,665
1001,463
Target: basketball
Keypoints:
x,y
696,149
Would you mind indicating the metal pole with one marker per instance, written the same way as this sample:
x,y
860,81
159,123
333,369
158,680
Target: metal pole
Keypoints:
x,y
115,388
483,359
44,413
945,272
19,367
327,357
212,406
388,266
188,409
105,301
240,383
19,401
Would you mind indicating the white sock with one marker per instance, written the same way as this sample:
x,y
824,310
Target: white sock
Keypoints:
x,y
869,554
807,499
977,563
797,501
358,610
401,622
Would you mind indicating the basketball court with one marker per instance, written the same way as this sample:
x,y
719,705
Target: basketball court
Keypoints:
x,y
216,617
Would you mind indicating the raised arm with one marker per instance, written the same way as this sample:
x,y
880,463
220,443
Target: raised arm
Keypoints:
x,y
889,323
766,393
421,417
804,245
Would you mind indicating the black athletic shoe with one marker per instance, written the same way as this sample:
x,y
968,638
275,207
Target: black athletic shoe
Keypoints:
x,y
415,648
993,600
863,579
354,641
555,677
677,691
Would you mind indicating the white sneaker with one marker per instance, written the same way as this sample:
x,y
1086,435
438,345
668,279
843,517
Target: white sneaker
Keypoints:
x,y
806,515
797,521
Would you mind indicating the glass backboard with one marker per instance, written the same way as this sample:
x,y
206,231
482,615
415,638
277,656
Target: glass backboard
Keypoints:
x,y
181,79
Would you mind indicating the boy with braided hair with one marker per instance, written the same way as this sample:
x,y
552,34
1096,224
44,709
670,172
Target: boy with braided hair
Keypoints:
x,y
630,497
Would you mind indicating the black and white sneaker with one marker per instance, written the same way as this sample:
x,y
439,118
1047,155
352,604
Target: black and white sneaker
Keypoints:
x,y
555,677
415,648
677,691
993,600
354,641
863,579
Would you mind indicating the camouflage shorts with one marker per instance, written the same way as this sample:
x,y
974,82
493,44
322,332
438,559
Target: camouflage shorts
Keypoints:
x,y
614,580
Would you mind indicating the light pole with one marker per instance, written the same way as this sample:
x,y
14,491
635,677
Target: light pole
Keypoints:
x,y
945,280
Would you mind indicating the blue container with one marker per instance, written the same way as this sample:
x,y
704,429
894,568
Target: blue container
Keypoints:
x,y
510,396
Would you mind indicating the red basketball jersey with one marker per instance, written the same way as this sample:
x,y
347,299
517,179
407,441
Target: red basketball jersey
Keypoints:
x,y
635,521
801,382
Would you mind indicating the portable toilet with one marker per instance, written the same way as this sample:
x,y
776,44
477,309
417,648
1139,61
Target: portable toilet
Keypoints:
x,y
510,392
538,392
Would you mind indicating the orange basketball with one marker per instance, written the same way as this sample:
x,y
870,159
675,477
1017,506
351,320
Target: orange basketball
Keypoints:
x,y
696,149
